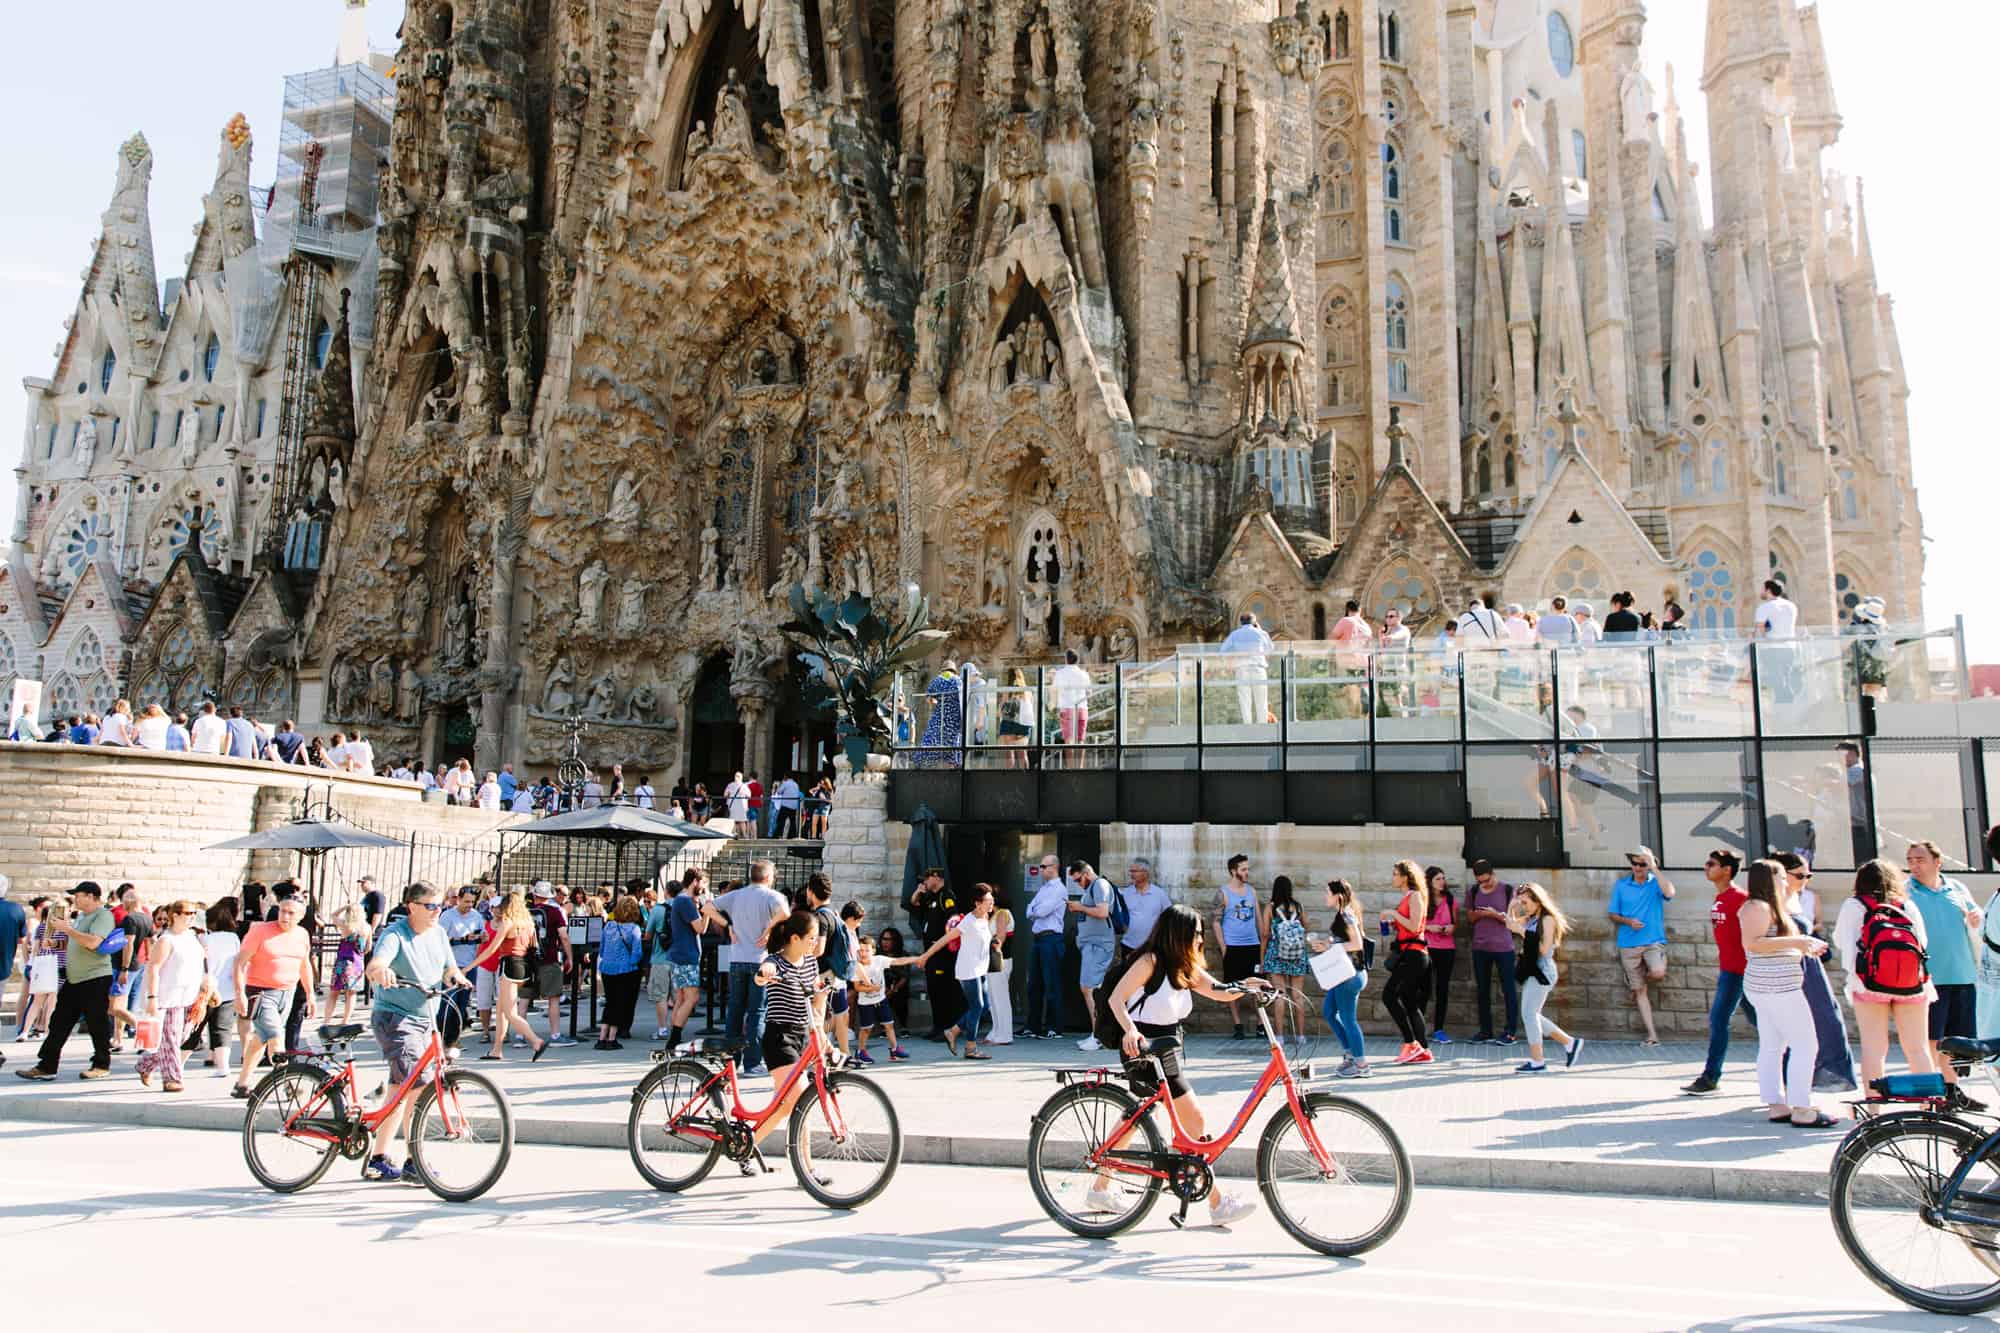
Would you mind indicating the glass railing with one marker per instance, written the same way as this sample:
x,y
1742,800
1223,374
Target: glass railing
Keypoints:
x,y
1688,688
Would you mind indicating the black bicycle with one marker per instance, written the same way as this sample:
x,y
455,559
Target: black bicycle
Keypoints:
x,y
1915,1190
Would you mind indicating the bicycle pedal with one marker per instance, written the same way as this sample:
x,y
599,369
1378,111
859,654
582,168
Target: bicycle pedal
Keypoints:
x,y
1180,1222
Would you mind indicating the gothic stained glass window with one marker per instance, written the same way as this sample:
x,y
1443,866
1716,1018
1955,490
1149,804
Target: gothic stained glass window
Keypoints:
x,y
1562,46
1578,576
1845,592
1396,335
1850,501
177,650
735,474
6,658
63,698
801,484
88,538
1405,587
1778,572
322,344
105,370
185,523
211,356
1718,468
1711,592
86,655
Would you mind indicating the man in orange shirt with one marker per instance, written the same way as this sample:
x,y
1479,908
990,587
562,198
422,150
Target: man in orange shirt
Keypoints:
x,y
275,957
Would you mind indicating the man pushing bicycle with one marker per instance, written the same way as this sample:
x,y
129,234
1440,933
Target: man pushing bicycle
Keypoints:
x,y
412,957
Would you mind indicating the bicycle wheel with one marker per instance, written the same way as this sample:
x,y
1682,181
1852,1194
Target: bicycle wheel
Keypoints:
x,y
666,1102
1888,1179
285,1162
1356,1206
844,1147
1071,1128
461,1135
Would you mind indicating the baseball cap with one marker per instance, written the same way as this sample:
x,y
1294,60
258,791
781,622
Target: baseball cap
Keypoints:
x,y
542,889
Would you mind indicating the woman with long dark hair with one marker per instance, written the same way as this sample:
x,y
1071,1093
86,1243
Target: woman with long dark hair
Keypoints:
x,y
1441,942
974,937
1339,1005
1286,956
1150,1000
1773,946
895,982
1534,916
1408,991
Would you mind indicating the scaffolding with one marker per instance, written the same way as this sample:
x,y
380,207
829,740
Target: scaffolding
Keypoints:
x,y
346,110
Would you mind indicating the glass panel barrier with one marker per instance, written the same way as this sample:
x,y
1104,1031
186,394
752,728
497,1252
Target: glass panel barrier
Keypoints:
x,y
1327,695
1508,694
1239,695
1079,707
1921,792
1416,696
1707,799
1005,721
1509,781
1607,800
1807,687
1915,684
1702,689
1160,702
1816,803
1612,684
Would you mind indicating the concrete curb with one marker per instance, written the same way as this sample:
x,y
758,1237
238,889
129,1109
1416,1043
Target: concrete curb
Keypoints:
x,y
1660,1180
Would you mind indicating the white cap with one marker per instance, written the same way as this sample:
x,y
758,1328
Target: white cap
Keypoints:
x,y
543,889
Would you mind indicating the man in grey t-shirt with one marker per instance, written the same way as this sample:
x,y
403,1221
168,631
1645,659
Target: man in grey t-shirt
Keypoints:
x,y
1094,939
751,909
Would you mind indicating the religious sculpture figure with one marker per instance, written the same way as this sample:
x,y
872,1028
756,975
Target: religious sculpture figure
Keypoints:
x,y
603,698
558,691
643,704
457,632
1036,605
632,606
1145,102
383,696
732,117
623,511
416,605
86,443
998,374
336,484
1030,356
995,587
697,143
590,595
711,557
1123,645
791,570
517,373
1635,97
188,441
410,693
571,100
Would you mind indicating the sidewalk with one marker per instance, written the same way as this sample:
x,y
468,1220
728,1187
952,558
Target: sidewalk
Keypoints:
x,y
1616,1123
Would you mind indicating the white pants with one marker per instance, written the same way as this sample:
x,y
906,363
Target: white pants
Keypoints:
x,y
999,1002
482,989
1254,700
1784,1021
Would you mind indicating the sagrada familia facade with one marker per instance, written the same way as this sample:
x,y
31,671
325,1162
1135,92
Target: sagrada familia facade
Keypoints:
x,y
1102,320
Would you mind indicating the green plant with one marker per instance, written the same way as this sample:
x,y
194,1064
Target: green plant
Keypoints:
x,y
849,648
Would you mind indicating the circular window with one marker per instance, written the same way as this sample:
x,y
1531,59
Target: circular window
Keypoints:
x,y
1562,46
1404,587
1847,595
1578,577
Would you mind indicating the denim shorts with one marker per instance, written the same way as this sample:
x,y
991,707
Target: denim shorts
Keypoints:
x,y
269,1007
403,1039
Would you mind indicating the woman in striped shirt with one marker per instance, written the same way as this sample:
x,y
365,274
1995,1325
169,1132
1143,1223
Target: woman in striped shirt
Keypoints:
x,y
790,977
1774,979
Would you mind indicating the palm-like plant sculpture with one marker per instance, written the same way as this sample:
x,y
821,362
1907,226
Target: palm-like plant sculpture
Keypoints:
x,y
849,649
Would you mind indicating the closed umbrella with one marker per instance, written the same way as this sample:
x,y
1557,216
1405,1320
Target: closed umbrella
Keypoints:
x,y
926,850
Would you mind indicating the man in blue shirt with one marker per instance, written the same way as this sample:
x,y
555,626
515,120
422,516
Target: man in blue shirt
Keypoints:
x,y
82,731
1950,919
288,742
1639,908
509,786
412,955
177,734
242,735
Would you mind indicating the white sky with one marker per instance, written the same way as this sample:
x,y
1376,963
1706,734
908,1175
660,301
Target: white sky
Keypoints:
x,y
1913,94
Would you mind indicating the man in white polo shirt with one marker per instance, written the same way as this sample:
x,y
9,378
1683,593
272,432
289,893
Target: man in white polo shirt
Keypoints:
x,y
211,733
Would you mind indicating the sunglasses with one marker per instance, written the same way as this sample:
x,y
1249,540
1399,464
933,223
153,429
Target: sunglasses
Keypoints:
x,y
435,907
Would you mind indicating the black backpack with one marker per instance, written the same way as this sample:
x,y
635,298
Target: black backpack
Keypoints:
x,y
1107,1030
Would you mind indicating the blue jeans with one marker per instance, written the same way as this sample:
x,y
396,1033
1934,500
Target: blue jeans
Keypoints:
x,y
975,1007
1728,994
1045,997
1338,1009
744,1025
1484,963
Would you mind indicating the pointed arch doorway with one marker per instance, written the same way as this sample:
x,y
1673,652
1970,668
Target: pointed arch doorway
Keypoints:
x,y
715,733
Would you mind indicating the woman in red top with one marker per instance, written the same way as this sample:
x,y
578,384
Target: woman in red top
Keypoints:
x,y
511,945
1407,992
1441,942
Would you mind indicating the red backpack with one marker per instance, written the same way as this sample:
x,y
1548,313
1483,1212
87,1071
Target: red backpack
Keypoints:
x,y
1890,960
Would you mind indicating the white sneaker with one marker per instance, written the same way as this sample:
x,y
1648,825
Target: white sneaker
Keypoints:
x,y
1090,1044
660,1034
1100,1201
1230,1208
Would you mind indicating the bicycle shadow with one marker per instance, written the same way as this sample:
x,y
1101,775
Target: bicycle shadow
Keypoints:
x,y
1842,1321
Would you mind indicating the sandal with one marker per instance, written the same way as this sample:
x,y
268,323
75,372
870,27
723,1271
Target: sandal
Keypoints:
x,y
490,1056
951,1042
1820,1121
538,1052
170,1087
977,1055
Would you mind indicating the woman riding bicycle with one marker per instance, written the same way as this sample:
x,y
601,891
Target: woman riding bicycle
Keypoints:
x,y
790,976
1150,1000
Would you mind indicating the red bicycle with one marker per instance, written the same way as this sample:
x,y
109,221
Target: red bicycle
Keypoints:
x,y
843,1137
1333,1172
302,1116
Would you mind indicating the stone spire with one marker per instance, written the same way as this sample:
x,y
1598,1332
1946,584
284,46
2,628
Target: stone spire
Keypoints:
x,y
330,414
125,251
1741,32
1864,250
1274,305
1816,111
227,228
1697,360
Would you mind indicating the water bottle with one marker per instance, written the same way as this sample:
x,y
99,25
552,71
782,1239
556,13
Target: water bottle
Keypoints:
x,y
1388,929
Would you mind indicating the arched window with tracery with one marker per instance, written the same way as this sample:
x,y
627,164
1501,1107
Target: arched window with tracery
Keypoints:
x,y
1340,37
1340,351
1850,498
1718,468
1346,487
1847,593
1578,576
1393,201
1396,335
1405,586
1711,592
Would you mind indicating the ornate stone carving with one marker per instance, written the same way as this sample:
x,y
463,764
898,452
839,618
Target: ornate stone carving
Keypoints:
x,y
559,688
590,596
632,606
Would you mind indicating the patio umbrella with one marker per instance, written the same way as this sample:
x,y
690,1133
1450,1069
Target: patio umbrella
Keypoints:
x,y
310,836
926,850
620,825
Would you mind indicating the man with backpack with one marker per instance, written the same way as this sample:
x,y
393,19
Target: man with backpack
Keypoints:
x,y
554,959
1094,940
1143,902
1730,896
1951,920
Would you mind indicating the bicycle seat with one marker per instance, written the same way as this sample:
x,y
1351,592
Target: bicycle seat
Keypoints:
x,y
344,1032
1968,1048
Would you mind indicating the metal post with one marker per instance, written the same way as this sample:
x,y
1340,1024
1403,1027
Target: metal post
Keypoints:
x,y
1555,751
1757,740
1200,740
1659,767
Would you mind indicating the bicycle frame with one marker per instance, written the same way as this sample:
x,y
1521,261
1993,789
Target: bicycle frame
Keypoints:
x,y
813,1058
1954,1189
302,1124
1276,1071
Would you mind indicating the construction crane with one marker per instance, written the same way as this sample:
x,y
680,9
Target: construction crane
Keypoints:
x,y
289,546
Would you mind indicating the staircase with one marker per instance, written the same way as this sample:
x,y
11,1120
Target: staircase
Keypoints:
x,y
574,861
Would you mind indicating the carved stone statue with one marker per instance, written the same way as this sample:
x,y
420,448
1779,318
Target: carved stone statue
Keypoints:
x,y
518,362
1030,356
995,588
791,569
697,143
558,691
416,605
383,695
457,632
336,484
1145,102
409,694
590,595
1635,96
603,698
643,704
571,101
864,571
624,508
1123,645
1036,606
86,443
632,606
844,494
711,559
188,442
998,375
1051,367
732,117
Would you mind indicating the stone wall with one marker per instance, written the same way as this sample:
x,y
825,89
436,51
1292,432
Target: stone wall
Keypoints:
x,y
110,814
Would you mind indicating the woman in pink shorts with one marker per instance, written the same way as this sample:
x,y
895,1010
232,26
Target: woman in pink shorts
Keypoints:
x,y
1878,883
